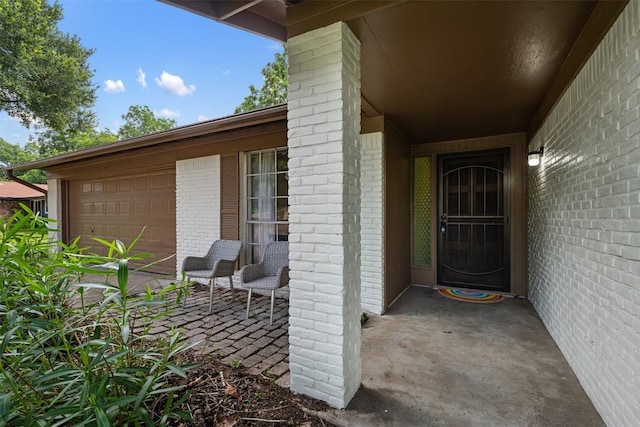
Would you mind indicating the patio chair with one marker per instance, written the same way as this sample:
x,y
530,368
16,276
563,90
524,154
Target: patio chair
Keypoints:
x,y
271,273
220,261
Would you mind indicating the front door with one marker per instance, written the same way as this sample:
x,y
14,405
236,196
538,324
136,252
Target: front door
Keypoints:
x,y
473,240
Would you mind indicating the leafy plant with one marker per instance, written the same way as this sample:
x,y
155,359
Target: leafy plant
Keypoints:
x,y
68,362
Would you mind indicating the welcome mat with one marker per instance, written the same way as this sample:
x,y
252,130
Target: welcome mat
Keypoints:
x,y
468,295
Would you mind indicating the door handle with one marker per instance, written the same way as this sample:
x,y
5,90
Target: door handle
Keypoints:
x,y
443,224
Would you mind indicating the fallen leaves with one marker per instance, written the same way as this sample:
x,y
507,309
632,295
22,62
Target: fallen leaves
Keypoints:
x,y
222,396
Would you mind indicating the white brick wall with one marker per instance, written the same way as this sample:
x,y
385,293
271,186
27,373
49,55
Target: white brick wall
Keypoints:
x,y
197,206
584,224
371,222
324,215
52,207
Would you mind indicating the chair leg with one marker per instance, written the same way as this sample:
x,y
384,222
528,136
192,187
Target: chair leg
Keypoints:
x,y
211,283
273,296
248,302
233,291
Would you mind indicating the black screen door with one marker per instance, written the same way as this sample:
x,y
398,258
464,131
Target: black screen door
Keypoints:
x,y
473,233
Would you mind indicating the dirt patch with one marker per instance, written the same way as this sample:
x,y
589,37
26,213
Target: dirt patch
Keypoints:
x,y
225,396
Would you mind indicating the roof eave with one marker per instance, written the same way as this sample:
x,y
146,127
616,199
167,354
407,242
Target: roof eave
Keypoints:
x,y
257,117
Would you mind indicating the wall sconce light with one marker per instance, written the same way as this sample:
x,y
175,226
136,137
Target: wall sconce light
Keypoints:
x,y
535,157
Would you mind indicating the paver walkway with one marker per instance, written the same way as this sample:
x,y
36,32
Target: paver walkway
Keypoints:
x,y
261,347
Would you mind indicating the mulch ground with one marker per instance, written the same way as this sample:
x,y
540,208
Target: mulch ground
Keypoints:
x,y
226,396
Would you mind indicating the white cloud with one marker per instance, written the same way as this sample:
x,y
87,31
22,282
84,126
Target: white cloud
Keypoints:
x,y
174,84
168,114
142,78
113,86
202,118
226,73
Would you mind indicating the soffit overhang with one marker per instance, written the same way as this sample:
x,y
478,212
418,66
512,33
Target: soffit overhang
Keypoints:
x,y
444,70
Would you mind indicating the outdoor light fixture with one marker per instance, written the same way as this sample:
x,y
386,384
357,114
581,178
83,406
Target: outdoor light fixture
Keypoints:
x,y
535,157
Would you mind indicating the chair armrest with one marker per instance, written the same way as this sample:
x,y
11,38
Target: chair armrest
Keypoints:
x,y
283,276
251,272
191,263
224,268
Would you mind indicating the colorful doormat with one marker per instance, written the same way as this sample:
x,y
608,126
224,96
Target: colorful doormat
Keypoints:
x,y
469,295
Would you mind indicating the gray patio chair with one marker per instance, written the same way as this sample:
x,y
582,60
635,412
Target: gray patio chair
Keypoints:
x,y
271,273
220,261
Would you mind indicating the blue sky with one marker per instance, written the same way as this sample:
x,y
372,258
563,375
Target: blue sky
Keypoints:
x,y
194,68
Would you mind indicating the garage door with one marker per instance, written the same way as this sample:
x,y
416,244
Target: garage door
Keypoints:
x,y
120,208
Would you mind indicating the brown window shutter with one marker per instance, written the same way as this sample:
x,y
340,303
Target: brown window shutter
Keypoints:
x,y
229,196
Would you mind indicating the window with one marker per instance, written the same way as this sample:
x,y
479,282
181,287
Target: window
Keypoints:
x,y
39,207
422,211
267,200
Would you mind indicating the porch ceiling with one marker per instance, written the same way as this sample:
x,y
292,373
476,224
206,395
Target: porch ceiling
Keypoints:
x,y
444,70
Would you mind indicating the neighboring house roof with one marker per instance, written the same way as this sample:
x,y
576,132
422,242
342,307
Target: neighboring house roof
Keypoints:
x,y
238,121
17,191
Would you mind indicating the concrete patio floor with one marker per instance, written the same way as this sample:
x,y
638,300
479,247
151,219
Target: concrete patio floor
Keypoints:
x,y
429,361
433,361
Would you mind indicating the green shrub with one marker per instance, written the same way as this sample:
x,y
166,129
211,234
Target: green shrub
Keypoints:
x,y
65,362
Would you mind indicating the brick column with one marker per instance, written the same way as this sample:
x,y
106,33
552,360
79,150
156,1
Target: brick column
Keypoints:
x,y
372,222
324,215
197,207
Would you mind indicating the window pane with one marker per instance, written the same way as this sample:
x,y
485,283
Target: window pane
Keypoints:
x,y
283,184
265,186
422,211
283,209
266,209
254,210
267,233
255,253
268,162
254,163
253,236
283,232
254,187
282,161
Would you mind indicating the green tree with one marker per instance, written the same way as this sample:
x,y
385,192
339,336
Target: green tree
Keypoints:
x,y
13,154
274,88
10,154
44,74
140,121
49,143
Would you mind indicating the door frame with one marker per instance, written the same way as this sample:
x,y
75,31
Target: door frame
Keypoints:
x,y
516,144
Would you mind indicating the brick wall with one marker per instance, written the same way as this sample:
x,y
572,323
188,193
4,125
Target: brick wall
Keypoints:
x,y
197,206
324,213
584,224
371,222
8,207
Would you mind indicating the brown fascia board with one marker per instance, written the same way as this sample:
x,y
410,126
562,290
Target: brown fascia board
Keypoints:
x,y
236,14
257,117
305,16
